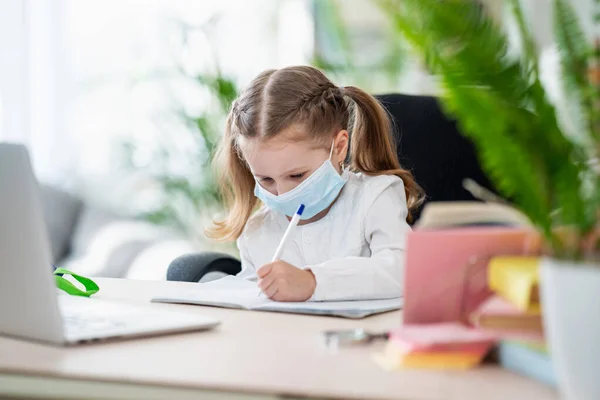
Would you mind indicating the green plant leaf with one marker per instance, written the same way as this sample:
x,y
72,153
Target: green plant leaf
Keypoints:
x,y
575,53
530,54
222,88
501,105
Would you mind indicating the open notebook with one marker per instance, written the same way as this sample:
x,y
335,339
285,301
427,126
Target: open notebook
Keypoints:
x,y
233,292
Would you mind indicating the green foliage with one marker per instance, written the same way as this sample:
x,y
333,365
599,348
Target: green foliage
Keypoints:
x,y
501,105
224,89
340,51
575,53
187,202
530,58
199,198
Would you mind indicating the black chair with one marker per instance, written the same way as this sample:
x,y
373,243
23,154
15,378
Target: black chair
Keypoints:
x,y
429,144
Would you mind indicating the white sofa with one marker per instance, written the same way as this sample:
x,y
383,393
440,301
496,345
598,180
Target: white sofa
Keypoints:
x,y
96,242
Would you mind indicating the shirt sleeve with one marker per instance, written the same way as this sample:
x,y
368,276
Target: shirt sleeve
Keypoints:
x,y
248,269
381,275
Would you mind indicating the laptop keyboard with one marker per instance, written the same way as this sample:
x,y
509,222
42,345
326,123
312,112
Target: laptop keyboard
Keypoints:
x,y
87,319
84,317
76,323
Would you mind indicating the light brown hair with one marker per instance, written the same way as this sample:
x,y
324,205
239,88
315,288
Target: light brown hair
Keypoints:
x,y
303,95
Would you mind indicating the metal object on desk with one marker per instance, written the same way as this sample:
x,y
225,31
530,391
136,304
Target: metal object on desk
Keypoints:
x,y
352,337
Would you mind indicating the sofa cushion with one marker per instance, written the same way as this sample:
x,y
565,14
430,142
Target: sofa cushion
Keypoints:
x,y
152,262
92,220
61,212
105,244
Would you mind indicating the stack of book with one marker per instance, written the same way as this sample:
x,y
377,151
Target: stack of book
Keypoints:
x,y
527,359
513,311
510,319
498,306
513,314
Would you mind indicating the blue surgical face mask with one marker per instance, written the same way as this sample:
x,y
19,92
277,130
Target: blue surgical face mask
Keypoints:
x,y
317,192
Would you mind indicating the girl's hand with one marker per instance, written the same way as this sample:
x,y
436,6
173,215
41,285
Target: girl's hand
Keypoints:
x,y
281,281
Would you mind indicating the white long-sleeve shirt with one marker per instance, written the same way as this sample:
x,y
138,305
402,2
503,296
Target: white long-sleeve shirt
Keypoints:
x,y
355,252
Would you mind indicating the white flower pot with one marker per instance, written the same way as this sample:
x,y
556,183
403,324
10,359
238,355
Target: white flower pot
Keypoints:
x,y
570,294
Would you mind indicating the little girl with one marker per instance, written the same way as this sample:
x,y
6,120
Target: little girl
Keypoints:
x,y
292,138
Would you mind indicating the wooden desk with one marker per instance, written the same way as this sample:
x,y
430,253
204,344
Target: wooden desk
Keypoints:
x,y
251,355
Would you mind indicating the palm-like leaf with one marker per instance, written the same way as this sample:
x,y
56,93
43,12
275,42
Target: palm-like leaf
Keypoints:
x,y
574,55
501,106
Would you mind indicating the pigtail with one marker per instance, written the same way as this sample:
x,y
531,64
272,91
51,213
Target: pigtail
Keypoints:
x,y
372,150
236,184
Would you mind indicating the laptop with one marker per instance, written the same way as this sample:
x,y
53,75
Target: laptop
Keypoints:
x,y
31,307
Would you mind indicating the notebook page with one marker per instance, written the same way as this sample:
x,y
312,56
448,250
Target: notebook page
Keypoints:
x,y
234,292
229,292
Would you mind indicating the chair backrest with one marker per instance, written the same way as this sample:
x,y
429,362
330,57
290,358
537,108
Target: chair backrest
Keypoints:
x,y
430,145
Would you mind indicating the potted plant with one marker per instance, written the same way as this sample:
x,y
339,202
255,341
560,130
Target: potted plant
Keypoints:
x,y
547,171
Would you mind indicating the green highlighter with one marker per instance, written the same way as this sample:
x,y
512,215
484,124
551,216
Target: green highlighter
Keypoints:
x,y
64,284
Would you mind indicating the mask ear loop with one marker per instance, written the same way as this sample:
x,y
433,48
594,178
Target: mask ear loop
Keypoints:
x,y
341,164
331,150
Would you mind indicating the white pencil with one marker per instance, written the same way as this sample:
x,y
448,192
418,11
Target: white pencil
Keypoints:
x,y
286,235
288,231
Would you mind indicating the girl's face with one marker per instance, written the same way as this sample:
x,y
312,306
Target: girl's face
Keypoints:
x,y
281,163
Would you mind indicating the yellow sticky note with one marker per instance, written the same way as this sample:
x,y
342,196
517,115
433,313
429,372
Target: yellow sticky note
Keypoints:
x,y
448,360
516,279
394,358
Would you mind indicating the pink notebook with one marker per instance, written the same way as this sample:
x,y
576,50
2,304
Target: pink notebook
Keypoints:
x,y
446,270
